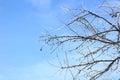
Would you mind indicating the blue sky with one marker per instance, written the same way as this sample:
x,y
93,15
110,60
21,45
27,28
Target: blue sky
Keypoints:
x,y
21,24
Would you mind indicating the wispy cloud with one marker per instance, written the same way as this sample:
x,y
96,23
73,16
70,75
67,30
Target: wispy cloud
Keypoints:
x,y
42,4
40,71
1,77
112,3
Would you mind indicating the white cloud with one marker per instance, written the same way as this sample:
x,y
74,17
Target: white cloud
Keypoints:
x,y
42,4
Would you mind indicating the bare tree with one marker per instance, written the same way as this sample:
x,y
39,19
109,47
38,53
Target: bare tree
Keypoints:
x,y
95,37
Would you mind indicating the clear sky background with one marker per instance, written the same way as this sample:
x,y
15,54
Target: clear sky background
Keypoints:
x,y
21,24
